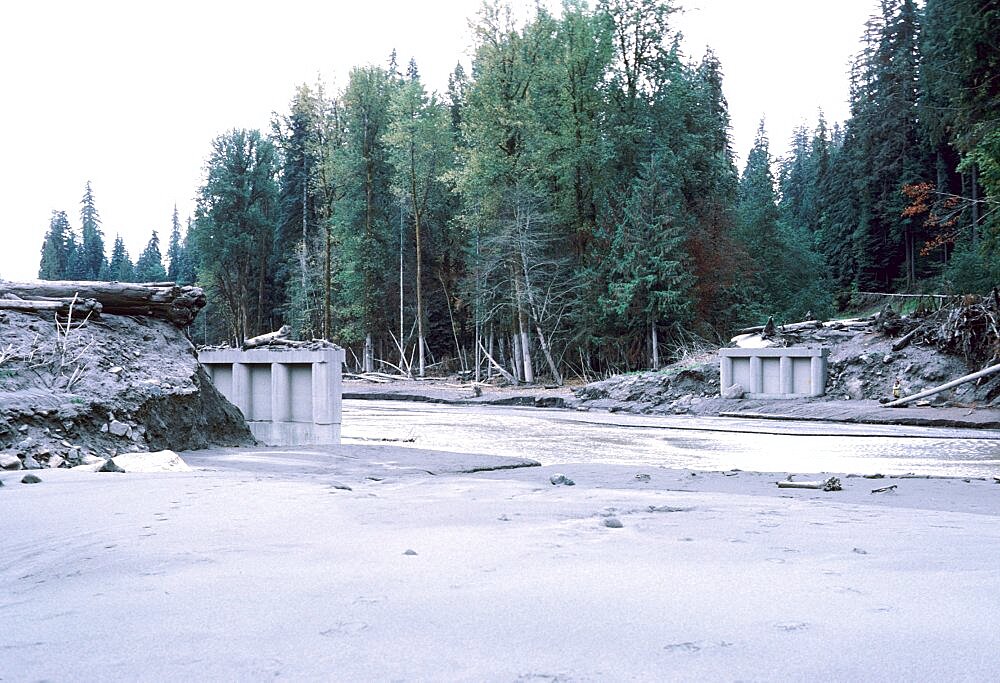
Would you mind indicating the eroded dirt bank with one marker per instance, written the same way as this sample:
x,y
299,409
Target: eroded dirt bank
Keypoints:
x,y
112,385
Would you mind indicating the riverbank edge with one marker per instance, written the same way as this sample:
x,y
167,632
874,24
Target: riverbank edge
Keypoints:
x,y
810,410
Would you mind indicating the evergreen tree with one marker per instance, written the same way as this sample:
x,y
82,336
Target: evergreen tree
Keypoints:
x,y
788,277
175,249
187,273
236,218
149,265
56,248
120,268
758,216
649,278
367,212
419,150
93,263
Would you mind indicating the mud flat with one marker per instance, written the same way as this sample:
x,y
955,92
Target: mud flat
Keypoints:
x,y
385,563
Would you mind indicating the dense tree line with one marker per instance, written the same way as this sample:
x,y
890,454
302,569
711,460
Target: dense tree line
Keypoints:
x,y
68,254
905,194
572,205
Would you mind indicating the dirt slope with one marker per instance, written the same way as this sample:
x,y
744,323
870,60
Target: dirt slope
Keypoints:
x,y
113,385
861,366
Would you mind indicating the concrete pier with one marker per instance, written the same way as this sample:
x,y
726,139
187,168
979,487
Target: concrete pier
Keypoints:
x,y
288,397
792,372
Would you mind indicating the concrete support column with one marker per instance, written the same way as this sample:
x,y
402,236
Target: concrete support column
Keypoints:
x,y
785,375
322,393
756,375
817,369
336,388
242,397
281,392
726,373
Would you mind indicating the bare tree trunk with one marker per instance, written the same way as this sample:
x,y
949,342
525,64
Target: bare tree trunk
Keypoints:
x,y
305,242
518,356
536,318
454,328
402,345
489,369
506,375
327,285
656,345
369,354
478,358
521,327
975,205
420,303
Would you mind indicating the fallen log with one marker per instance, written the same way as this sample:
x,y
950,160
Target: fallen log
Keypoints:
x,y
944,387
831,484
885,489
63,307
506,375
790,327
165,301
370,377
903,341
278,337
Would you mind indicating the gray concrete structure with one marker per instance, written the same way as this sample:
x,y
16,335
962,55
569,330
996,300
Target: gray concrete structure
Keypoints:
x,y
792,372
288,396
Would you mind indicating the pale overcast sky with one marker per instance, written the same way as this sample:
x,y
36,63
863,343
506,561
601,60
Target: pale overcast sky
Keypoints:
x,y
129,95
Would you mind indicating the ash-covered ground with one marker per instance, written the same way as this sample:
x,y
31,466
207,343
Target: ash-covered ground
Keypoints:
x,y
108,386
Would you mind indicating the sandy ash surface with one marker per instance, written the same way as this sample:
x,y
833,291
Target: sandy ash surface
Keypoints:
x,y
384,563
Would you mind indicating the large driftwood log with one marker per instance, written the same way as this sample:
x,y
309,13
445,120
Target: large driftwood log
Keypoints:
x,y
66,308
903,341
278,337
831,484
944,387
166,301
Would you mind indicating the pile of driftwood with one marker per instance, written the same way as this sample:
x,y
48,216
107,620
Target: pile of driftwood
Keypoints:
x,y
805,332
281,339
74,301
967,326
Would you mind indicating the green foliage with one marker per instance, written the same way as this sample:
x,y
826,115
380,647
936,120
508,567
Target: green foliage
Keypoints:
x,y
178,268
149,265
92,262
574,195
56,249
120,269
649,278
233,230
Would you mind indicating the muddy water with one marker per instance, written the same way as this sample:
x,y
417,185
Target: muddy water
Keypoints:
x,y
554,436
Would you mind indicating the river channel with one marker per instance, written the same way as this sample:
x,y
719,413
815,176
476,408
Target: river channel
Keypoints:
x,y
553,436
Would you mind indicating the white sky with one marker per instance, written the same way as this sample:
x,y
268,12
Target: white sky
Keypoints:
x,y
129,95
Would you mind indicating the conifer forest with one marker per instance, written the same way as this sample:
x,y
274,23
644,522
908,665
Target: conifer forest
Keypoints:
x,y
571,205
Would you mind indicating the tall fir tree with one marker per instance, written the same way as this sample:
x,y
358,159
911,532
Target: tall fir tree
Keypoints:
x,y
93,263
175,249
149,265
56,248
120,269
233,232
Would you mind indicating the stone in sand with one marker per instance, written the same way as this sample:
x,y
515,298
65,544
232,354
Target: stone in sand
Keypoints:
x,y
110,466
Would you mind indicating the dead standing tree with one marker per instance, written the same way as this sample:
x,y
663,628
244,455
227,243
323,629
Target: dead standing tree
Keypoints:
x,y
526,282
